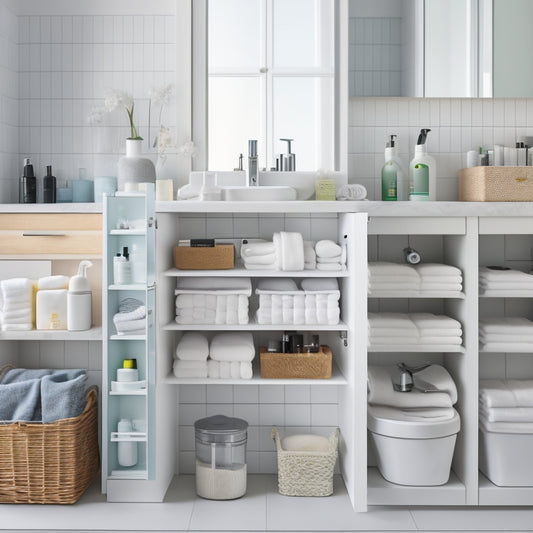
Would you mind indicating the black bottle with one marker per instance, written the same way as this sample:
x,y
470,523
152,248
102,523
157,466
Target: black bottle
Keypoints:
x,y
28,184
49,187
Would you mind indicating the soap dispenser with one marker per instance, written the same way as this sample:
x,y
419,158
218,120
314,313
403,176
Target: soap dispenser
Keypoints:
x,y
28,184
49,187
392,173
287,162
79,300
422,172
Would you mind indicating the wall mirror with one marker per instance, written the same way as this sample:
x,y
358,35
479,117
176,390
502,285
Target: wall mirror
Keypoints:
x,y
440,48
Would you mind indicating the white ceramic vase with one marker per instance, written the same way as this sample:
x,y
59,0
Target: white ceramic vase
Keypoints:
x,y
133,168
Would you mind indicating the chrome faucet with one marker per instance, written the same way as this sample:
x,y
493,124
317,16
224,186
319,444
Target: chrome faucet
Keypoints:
x,y
252,163
405,382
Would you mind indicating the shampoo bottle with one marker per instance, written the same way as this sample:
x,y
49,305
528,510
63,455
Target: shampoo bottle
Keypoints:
x,y
49,187
79,300
392,174
422,172
28,184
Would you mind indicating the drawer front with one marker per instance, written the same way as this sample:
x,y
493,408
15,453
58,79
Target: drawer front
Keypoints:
x,y
51,234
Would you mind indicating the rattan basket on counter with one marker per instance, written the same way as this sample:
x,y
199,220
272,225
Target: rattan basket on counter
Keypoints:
x,y
296,365
306,473
50,463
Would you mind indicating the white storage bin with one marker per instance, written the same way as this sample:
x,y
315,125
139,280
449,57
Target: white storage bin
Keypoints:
x,y
506,458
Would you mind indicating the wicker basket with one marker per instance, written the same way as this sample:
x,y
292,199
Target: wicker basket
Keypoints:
x,y
306,473
296,365
49,463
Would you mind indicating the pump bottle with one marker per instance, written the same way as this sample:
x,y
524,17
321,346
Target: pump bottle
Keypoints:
x,y
49,187
393,174
422,172
79,300
28,184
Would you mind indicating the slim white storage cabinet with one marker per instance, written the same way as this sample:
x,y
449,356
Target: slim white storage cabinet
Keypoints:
x,y
129,221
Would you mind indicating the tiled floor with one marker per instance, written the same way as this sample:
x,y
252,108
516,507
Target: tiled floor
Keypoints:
x,y
261,509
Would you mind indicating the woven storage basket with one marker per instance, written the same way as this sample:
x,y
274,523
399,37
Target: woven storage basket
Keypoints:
x,y
496,184
49,463
306,473
296,365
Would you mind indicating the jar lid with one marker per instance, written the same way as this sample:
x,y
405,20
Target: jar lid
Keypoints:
x,y
220,428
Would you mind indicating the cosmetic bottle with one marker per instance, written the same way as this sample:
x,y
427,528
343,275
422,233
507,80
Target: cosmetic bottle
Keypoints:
x,y
28,184
49,187
127,450
79,300
129,371
392,173
422,172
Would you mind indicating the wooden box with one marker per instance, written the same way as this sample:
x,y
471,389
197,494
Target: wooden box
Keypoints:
x,y
296,365
218,257
496,184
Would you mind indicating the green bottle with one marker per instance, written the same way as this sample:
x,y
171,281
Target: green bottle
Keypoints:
x,y
389,182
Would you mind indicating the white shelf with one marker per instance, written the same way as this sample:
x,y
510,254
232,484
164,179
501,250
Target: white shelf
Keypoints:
x,y
128,474
336,379
447,348
141,392
417,294
490,494
242,272
128,287
127,232
127,338
252,326
382,492
503,294
93,334
509,350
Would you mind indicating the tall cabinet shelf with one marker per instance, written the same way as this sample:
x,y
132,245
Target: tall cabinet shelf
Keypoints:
x,y
129,221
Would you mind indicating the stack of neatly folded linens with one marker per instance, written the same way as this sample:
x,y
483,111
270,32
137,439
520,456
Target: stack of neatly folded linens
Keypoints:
x,y
330,255
285,252
506,334
259,254
437,277
321,300
280,302
17,304
494,281
506,405
402,329
131,318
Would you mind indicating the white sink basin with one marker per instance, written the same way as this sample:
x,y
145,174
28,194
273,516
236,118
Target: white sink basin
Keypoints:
x,y
258,194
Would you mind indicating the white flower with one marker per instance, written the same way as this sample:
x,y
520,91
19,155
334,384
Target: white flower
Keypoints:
x,y
114,99
162,95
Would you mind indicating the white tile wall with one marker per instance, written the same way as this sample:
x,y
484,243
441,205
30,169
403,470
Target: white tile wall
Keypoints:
x,y
457,125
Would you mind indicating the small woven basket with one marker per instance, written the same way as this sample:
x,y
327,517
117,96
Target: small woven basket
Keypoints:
x,y
50,463
302,473
296,365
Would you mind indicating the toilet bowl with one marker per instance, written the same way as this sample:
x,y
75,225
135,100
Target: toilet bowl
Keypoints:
x,y
414,449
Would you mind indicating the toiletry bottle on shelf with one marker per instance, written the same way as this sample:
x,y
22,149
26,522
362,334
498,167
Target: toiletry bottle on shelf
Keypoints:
x,y
122,268
422,172
79,300
49,187
28,184
287,162
127,451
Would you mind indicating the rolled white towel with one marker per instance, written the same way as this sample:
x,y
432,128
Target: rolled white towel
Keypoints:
x,y
257,247
327,248
213,369
192,346
263,260
246,370
225,369
336,259
52,282
190,369
232,346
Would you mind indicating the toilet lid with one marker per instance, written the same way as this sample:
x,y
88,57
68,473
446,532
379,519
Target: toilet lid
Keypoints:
x,y
419,424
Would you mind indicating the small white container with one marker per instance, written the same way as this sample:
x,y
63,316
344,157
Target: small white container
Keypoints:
x,y
79,300
412,452
506,458
127,451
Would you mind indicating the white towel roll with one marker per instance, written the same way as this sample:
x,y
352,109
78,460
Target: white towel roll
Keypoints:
x,y
246,370
327,248
225,369
213,369
232,346
192,346
190,369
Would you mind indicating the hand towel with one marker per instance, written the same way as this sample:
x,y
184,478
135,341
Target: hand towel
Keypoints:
x,y
436,269
137,314
394,270
381,392
516,325
506,414
190,369
192,347
429,320
131,327
263,260
16,287
327,248
289,250
506,392
277,285
257,247
53,282
213,285
504,275
232,346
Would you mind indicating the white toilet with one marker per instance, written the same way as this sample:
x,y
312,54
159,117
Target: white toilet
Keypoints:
x,y
413,450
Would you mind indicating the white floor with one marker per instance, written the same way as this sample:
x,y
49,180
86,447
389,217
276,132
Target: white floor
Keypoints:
x,y
261,509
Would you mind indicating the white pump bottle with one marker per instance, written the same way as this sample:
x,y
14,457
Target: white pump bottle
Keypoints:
x,y
79,300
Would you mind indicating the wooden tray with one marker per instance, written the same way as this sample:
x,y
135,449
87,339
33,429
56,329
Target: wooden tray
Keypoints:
x,y
218,257
296,365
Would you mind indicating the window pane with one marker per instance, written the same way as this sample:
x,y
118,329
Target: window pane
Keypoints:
x,y
304,111
234,116
303,31
235,34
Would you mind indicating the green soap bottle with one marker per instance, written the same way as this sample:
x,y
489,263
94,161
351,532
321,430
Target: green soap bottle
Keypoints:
x,y
391,172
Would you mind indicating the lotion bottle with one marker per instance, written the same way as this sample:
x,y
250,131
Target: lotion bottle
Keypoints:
x,y
79,300
127,450
422,172
28,184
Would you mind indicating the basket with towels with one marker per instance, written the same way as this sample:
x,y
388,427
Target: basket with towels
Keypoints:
x,y
48,435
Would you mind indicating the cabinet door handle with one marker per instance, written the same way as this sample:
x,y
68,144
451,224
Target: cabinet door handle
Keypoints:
x,y
43,234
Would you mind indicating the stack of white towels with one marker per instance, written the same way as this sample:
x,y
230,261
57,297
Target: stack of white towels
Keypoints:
x,y
388,279
131,317
506,334
420,405
506,405
330,255
229,355
406,329
289,252
322,297
17,304
495,281
212,300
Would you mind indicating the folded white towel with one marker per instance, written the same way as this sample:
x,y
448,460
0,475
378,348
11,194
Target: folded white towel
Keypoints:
x,y
209,301
232,346
381,391
192,346
516,325
436,269
214,285
16,287
17,327
319,284
17,314
504,337
17,305
393,286
410,332
289,250
268,259
327,248
390,340
506,347
506,392
506,427
225,369
506,286
52,282
213,369
137,314
257,247
336,259
270,266
332,267
394,270
277,285
506,414
452,287
129,326
190,369
434,339
431,321
503,275
391,320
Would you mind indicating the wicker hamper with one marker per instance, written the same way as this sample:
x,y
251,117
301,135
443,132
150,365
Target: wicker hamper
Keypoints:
x,y
50,463
302,473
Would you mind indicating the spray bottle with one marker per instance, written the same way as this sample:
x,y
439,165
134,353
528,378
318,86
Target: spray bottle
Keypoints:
x,y
422,172
79,300
393,174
